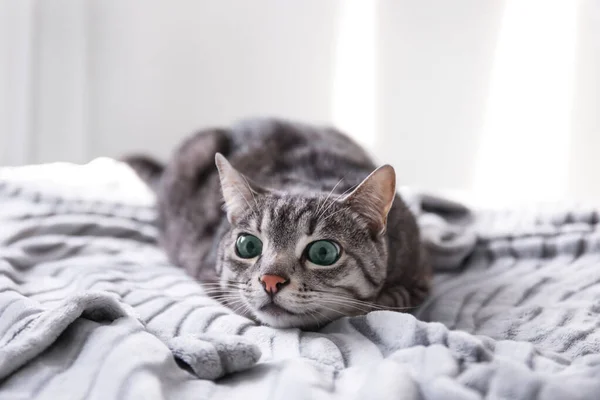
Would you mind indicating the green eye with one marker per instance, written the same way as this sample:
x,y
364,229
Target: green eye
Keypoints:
x,y
323,252
248,246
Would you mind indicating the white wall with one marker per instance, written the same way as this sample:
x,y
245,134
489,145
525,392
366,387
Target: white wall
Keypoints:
x,y
499,99
16,69
446,91
118,75
164,72
434,67
584,167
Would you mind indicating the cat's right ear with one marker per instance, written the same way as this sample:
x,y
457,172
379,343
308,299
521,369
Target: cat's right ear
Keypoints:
x,y
237,192
373,198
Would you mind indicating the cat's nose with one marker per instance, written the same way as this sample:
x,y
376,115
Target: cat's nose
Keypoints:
x,y
273,283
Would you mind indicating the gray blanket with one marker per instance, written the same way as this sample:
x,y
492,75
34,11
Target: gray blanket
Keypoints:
x,y
90,308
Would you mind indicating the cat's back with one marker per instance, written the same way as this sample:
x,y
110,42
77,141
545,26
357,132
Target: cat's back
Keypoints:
x,y
277,152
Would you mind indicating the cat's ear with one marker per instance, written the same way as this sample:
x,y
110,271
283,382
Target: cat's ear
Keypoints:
x,y
237,192
373,198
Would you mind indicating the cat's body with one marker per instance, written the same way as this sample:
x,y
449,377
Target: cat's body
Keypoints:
x,y
298,192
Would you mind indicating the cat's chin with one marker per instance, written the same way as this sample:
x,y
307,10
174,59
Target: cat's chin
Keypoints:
x,y
275,310
278,317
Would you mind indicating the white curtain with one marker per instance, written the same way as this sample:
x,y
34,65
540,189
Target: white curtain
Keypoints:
x,y
44,80
497,98
16,70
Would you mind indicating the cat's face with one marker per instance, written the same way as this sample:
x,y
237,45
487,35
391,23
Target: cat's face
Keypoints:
x,y
302,260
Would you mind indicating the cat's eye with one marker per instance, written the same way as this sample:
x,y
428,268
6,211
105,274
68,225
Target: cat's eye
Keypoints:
x,y
323,252
248,246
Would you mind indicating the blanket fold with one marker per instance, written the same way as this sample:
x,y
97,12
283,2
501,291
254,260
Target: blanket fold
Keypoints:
x,y
35,329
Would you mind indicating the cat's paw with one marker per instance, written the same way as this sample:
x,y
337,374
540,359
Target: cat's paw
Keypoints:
x,y
212,356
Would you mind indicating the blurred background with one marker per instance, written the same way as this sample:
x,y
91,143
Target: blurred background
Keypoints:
x,y
497,100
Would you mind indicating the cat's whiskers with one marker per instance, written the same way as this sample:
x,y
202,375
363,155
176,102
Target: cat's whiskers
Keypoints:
x,y
251,191
226,295
246,307
345,192
222,283
343,305
223,291
216,288
368,305
329,195
234,306
344,300
332,309
321,314
333,202
227,300
320,300
239,306
236,285
223,287
317,322
220,294
254,211
334,213
312,315
348,300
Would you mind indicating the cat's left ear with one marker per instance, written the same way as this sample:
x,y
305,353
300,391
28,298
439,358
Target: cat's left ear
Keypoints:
x,y
373,198
237,191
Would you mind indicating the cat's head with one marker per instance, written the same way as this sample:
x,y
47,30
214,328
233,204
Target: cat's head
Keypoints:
x,y
303,259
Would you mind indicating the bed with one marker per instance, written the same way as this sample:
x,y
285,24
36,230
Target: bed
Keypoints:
x,y
90,308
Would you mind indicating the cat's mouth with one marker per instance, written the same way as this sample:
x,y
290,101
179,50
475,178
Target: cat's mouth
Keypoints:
x,y
275,310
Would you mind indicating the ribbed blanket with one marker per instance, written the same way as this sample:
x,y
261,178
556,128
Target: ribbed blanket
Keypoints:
x,y
90,308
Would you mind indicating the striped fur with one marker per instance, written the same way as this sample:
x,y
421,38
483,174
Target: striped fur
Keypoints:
x,y
296,184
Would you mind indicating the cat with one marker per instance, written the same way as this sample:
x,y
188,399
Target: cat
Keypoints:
x,y
310,230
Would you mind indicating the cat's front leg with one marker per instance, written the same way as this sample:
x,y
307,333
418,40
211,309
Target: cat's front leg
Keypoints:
x,y
401,298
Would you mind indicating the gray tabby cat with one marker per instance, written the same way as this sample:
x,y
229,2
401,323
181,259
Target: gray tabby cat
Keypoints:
x,y
310,230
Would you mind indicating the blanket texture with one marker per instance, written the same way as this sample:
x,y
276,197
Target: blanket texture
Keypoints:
x,y
90,308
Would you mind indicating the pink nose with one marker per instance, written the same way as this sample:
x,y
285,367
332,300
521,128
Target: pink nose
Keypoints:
x,y
272,283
